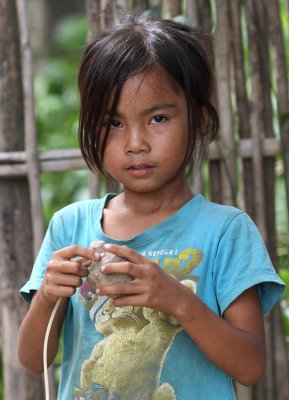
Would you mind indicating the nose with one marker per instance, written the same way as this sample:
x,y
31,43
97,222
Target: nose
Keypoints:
x,y
136,141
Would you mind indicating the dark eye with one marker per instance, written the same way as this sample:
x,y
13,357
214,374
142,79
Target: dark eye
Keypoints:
x,y
157,119
115,123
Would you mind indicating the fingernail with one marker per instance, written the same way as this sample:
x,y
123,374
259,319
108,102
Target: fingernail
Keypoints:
x,y
97,290
96,255
102,268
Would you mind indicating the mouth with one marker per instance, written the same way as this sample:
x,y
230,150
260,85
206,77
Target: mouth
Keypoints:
x,y
140,169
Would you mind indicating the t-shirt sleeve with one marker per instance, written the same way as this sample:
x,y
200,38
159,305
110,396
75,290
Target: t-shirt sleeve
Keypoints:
x,y
242,261
52,241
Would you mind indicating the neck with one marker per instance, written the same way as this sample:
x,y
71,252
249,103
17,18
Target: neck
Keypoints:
x,y
164,200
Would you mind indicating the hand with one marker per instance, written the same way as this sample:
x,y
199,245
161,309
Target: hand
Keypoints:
x,y
65,271
151,286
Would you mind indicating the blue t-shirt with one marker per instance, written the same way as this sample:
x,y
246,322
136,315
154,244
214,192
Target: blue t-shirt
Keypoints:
x,y
135,353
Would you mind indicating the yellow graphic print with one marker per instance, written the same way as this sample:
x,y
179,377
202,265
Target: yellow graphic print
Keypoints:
x,y
127,363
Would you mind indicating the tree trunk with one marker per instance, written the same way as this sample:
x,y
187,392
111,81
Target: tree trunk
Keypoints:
x,y
16,245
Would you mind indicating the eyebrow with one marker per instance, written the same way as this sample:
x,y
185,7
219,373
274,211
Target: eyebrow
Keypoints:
x,y
155,107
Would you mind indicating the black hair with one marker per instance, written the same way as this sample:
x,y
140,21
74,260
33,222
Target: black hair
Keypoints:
x,y
136,46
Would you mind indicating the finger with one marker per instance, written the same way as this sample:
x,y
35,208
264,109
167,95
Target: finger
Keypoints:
x,y
123,267
130,300
125,252
117,289
67,267
76,251
60,291
66,280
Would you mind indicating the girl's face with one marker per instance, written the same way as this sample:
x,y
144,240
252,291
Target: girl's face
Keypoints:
x,y
147,141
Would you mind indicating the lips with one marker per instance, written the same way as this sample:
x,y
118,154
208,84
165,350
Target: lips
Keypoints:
x,y
140,169
139,165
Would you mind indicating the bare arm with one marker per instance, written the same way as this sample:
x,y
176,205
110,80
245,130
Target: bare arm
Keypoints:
x,y
234,343
62,277
32,332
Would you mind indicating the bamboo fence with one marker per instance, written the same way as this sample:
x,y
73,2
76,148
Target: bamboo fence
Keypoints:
x,y
241,163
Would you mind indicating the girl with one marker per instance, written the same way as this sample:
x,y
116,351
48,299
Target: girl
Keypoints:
x,y
190,320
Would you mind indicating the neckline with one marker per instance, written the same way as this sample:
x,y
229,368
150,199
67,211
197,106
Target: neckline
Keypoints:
x,y
161,229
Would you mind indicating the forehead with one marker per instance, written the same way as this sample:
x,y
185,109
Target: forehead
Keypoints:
x,y
150,87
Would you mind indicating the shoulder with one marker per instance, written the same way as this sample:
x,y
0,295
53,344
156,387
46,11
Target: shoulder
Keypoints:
x,y
218,209
218,215
75,219
75,208
80,209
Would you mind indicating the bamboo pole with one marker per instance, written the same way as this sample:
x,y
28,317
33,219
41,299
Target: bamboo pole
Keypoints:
x,y
282,87
199,12
121,9
92,9
30,129
175,8
106,13
16,245
242,104
13,164
204,13
267,115
274,324
96,26
274,334
139,6
226,139
197,184
256,120
192,12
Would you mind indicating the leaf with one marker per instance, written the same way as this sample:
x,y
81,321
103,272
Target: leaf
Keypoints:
x,y
153,12
284,274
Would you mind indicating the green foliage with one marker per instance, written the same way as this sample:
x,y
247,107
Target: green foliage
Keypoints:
x,y
56,94
153,12
70,35
62,188
285,25
284,274
57,105
57,112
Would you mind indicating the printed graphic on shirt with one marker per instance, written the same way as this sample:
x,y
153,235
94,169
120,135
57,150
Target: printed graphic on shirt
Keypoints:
x,y
127,363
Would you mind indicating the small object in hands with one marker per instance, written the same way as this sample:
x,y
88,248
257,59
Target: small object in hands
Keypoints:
x,y
96,277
